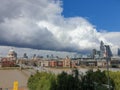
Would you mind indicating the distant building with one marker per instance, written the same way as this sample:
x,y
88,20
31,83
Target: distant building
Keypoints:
x,y
94,53
59,63
115,61
25,56
10,60
67,62
102,49
102,63
108,52
53,63
118,51
7,62
12,54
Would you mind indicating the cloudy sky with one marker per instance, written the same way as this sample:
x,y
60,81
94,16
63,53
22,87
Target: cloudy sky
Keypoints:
x,y
47,25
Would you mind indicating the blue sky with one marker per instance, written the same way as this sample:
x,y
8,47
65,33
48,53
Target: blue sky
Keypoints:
x,y
104,14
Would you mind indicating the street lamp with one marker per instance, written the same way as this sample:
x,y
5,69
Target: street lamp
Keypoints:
x,y
107,56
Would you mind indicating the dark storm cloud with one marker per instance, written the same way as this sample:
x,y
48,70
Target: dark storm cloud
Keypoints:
x,y
39,39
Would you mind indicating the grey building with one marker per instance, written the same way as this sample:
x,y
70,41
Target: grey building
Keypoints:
x,y
118,51
102,49
108,52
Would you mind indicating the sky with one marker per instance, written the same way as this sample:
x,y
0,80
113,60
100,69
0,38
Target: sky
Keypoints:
x,y
57,25
104,14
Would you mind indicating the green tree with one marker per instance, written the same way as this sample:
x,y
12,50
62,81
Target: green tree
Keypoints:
x,y
115,76
87,81
68,82
41,81
92,80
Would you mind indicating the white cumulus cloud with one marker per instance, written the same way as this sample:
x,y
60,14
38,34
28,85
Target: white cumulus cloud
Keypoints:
x,y
38,24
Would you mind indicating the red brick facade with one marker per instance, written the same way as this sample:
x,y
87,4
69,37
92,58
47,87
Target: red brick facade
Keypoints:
x,y
7,62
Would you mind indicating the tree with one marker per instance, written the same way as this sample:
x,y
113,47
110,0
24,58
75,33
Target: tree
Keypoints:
x,y
67,82
87,81
95,80
41,81
92,80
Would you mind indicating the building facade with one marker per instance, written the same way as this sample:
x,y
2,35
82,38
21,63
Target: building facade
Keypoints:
x,y
118,51
67,62
102,49
10,60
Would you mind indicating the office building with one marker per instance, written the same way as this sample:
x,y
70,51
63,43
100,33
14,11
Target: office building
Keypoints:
x,y
102,49
108,52
118,51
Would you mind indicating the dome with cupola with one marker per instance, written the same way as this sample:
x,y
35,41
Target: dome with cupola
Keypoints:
x,y
12,53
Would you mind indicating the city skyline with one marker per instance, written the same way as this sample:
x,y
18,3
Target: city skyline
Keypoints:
x,y
44,25
100,52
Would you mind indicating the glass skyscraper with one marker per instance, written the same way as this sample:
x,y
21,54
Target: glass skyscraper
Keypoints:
x,y
108,52
102,49
118,51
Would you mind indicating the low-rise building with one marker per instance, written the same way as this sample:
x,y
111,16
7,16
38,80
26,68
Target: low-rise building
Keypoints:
x,y
60,63
103,63
53,63
8,62
67,62
44,63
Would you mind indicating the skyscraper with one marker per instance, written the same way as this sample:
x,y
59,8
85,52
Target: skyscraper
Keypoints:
x,y
118,51
108,52
93,53
102,49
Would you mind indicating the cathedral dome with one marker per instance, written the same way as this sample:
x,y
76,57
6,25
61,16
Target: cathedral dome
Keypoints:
x,y
12,53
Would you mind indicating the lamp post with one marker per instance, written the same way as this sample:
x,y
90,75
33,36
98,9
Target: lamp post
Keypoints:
x,y
107,56
108,73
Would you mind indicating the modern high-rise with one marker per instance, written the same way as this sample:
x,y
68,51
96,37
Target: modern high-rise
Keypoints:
x,y
108,52
102,49
94,53
118,51
105,50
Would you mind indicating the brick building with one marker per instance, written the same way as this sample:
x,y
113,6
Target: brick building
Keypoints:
x,y
10,60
